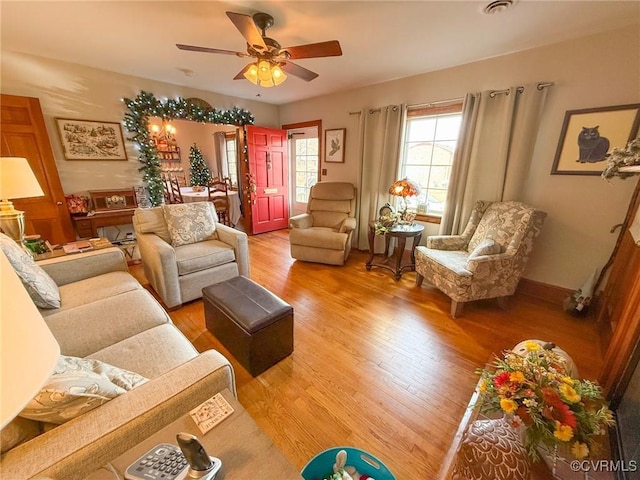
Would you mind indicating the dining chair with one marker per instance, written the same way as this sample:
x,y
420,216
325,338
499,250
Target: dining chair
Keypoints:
x,y
174,186
166,188
218,194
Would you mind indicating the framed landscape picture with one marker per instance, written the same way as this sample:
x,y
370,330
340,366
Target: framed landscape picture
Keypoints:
x,y
334,145
588,135
91,140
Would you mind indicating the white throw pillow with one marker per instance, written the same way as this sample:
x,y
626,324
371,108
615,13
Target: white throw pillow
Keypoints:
x,y
190,222
485,247
78,385
41,287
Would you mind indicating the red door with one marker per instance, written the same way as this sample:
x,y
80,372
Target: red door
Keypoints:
x,y
268,170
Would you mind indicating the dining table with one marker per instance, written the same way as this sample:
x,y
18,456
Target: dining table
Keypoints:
x,y
188,196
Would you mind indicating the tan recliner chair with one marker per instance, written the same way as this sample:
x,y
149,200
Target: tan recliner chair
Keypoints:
x,y
323,234
487,259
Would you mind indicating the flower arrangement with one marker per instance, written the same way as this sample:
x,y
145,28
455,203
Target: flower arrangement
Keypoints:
x,y
386,222
552,408
622,157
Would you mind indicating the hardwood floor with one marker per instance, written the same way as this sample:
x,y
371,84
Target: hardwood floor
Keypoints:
x,y
378,364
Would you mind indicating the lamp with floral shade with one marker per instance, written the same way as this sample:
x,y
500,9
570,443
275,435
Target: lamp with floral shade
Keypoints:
x,y
404,188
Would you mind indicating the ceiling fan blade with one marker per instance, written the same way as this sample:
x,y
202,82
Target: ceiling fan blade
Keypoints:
x,y
240,75
248,29
298,71
193,48
314,50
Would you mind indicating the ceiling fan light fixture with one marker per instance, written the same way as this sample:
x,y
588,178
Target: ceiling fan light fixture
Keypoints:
x,y
278,75
252,74
265,74
264,71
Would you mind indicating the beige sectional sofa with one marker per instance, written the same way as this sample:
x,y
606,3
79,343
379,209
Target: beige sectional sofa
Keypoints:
x,y
105,314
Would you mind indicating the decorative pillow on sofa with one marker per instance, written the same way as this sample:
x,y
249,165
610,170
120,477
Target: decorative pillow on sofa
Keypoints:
x,y
76,386
190,222
41,287
486,247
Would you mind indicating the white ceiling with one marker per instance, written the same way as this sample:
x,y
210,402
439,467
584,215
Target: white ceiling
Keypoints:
x,y
381,40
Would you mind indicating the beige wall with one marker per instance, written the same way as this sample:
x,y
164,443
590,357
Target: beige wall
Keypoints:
x,y
596,71
72,91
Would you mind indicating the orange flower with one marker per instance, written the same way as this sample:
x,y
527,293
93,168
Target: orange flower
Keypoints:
x,y
569,394
508,405
579,450
564,433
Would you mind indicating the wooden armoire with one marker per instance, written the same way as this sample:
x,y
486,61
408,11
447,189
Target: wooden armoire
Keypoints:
x,y
619,317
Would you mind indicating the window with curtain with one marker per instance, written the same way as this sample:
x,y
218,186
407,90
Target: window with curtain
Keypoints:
x,y
232,158
431,137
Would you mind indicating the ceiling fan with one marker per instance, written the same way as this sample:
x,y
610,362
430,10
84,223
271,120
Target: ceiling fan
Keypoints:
x,y
272,60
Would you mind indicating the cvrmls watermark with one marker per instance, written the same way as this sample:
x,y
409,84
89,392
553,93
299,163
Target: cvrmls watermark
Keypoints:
x,y
604,466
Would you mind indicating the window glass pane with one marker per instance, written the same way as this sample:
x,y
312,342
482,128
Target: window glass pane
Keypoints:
x,y
439,177
448,127
419,153
421,129
443,153
305,173
312,146
419,174
429,148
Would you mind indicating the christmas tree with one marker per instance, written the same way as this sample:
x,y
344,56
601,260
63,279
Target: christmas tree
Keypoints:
x,y
200,174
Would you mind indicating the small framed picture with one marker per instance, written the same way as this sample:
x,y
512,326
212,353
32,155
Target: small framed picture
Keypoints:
x,y
91,140
334,145
588,136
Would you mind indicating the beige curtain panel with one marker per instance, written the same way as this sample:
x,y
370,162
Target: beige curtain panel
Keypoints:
x,y
495,148
380,145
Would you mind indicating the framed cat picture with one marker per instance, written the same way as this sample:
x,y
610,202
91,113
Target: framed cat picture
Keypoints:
x,y
588,136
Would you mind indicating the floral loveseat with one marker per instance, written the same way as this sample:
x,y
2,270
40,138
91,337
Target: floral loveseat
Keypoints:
x,y
487,259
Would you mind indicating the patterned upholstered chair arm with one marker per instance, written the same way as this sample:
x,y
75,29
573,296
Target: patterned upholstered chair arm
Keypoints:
x,y
490,264
304,220
447,242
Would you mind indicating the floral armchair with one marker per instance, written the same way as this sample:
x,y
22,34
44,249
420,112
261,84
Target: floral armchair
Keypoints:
x,y
487,259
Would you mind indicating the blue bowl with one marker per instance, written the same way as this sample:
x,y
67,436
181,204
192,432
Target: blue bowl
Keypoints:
x,y
366,464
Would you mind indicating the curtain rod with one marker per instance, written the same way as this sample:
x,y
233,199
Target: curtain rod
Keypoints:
x,y
539,86
375,110
506,91
431,104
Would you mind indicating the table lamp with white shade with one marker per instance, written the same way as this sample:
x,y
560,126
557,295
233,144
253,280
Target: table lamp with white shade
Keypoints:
x,y
17,180
28,352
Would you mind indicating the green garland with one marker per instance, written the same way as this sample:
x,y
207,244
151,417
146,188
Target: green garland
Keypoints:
x,y
146,105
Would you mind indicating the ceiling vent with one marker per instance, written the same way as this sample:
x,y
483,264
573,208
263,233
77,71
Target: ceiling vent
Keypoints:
x,y
497,6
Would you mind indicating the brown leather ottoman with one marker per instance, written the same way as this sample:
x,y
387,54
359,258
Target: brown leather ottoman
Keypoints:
x,y
251,322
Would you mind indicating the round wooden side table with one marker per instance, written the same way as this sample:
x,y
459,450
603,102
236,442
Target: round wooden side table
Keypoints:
x,y
394,263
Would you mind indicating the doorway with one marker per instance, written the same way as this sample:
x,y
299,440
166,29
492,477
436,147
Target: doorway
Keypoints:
x,y
304,164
